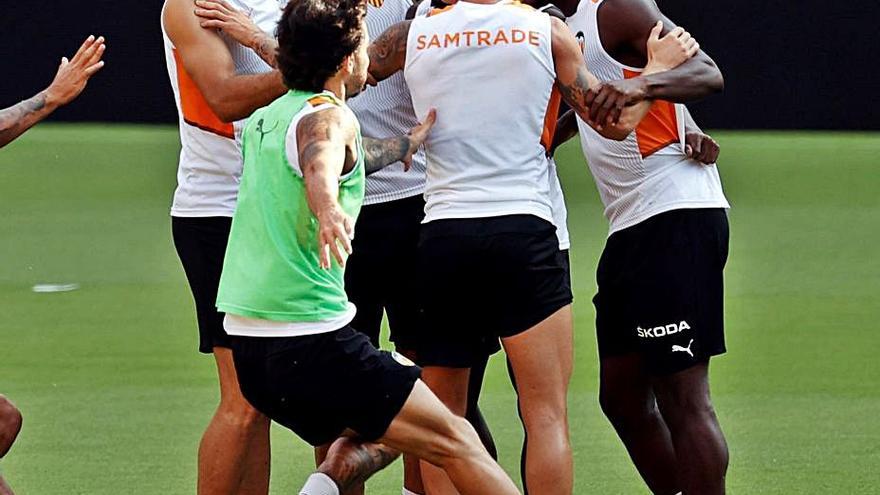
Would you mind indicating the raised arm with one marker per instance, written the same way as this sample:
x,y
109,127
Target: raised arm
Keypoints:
x,y
388,52
379,153
69,82
624,26
326,143
207,60
221,16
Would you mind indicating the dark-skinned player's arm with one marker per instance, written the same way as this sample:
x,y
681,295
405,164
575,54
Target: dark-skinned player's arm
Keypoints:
x,y
221,16
379,153
614,109
388,52
326,141
624,27
699,145
207,60
69,82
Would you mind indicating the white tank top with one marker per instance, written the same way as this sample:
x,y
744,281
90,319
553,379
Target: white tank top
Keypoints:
x,y
647,173
386,111
210,157
485,154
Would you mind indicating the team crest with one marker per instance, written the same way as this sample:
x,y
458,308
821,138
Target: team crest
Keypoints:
x,y
376,3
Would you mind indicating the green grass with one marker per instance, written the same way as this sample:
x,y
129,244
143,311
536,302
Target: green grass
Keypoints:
x,y
116,397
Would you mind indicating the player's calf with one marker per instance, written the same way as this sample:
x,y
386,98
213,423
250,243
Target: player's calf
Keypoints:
x,y
10,424
350,462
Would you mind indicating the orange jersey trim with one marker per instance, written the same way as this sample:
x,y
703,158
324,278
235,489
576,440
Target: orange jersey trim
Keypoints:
x,y
195,109
319,100
551,118
659,128
436,10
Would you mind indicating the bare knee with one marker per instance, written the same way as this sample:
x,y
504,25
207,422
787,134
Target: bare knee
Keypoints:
x,y
457,442
242,414
623,409
10,424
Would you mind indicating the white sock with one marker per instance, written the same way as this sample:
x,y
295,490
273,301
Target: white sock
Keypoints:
x,y
407,492
319,484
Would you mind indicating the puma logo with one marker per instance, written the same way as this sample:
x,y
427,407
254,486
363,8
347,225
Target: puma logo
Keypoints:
x,y
264,132
678,348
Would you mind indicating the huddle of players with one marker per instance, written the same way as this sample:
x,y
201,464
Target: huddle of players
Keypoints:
x,y
465,248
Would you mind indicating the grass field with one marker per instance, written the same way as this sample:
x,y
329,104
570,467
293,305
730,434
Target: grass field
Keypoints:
x,y
116,397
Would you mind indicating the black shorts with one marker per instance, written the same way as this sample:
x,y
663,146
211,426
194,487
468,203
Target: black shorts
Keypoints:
x,y
321,385
661,290
484,279
380,275
201,247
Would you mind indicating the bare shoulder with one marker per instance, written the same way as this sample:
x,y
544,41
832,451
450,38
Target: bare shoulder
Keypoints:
x,y
327,124
182,25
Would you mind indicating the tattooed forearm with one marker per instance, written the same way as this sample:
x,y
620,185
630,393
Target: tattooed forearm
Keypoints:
x,y
388,52
577,93
266,47
379,153
15,120
351,465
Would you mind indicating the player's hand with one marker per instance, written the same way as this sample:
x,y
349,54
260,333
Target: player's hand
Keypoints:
x,y
335,229
702,148
74,74
670,51
417,137
608,99
218,14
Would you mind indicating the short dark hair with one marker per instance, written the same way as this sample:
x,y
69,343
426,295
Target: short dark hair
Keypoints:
x,y
314,37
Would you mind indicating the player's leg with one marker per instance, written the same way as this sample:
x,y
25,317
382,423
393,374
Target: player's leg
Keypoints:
x,y
701,450
10,426
627,398
542,361
426,428
234,450
450,386
473,413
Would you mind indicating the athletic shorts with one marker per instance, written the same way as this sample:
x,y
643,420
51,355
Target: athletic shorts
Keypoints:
x,y
201,247
661,290
320,386
380,274
483,279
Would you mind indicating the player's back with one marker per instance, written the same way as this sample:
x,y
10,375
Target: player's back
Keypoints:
x,y
210,156
488,70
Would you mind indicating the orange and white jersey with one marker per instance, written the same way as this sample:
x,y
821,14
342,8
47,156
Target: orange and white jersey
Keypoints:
x,y
648,173
210,157
488,70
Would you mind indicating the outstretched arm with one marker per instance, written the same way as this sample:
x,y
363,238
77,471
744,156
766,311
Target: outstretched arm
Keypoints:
x,y
207,60
69,82
220,15
388,52
624,31
383,152
326,142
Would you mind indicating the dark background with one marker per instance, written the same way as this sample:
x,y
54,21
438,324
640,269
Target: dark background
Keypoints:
x,y
805,64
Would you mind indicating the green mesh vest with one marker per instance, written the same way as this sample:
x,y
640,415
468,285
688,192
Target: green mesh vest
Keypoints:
x,y
271,270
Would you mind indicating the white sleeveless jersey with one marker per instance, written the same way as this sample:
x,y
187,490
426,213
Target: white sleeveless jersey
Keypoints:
x,y
386,111
647,173
485,154
210,157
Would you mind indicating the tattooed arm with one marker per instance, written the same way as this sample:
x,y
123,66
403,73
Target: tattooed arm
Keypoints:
x,y
69,82
326,143
613,108
219,15
388,52
379,153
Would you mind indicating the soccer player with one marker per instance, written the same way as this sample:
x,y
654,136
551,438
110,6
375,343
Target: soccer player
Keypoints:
x,y
298,359
69,82
660,302
216,84
489,252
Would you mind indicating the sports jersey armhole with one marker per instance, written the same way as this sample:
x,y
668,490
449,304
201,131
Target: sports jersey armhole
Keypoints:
x,y
291,147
